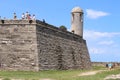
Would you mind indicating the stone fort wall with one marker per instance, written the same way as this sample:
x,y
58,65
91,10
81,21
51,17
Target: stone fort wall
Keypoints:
x,y
18,50
34,45
116,64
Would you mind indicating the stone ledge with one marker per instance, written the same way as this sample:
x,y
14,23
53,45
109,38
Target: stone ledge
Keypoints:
x,y
14,22
36,22
54,28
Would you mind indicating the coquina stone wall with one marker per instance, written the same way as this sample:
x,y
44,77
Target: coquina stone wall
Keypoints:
x,y
34,45
18,50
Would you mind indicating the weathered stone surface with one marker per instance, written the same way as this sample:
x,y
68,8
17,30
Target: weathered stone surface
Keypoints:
x,y
18,50
39,46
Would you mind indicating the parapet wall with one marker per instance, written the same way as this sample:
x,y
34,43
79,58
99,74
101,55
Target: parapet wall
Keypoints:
x,y
16,22
50,29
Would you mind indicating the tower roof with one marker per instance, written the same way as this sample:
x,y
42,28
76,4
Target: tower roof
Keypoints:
x,y
77,9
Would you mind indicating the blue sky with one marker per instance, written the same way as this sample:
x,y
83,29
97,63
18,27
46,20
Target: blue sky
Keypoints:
x,y
101,21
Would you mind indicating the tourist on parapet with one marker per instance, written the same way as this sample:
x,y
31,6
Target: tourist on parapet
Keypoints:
x,y
23,16
29,17
26,15
43,20
33,17
14,16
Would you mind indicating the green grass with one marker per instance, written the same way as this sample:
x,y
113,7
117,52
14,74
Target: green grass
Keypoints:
x,y
99,67
56,75
100,76
6,79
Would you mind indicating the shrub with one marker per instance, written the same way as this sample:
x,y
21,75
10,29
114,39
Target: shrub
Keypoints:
x,y
63,28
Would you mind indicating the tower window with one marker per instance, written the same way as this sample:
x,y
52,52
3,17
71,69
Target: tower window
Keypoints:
x,y
73,31
72,18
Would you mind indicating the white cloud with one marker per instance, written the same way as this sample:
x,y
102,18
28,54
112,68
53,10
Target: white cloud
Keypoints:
x,y
96,50
69,29
95,14
89,34
102,42
106,42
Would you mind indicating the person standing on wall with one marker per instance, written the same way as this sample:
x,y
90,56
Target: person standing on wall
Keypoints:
x,y
33,17
23,16
15,16
26,15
